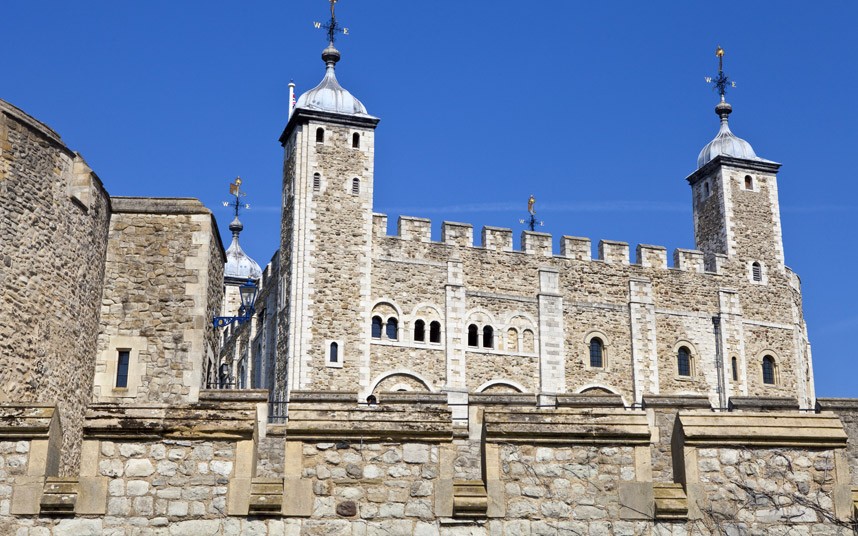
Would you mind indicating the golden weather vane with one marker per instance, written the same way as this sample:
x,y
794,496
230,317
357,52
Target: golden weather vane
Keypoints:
x,y
235,191
332,26
531,220
721,81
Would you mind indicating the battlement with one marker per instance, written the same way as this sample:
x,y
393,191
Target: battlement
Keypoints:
x,y
500,239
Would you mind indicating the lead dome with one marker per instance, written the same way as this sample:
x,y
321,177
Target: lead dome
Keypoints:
x,y
239,265
725,143
329,95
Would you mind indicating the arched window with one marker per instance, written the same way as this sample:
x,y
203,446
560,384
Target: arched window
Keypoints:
x,y
320,135
376,327
757,271
435,331
420,331
527,341
735,369
488,337
356,140
683,361
334,354
596,352
512,340
769,370
749,182
317,182
392,329
355,186
472,335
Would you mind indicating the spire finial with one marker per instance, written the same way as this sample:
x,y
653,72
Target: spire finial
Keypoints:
x,y
332,27
722,82
235,191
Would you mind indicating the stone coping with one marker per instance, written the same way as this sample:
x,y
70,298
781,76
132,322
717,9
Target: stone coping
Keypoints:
x,y
411,397
502,399
784,429
590,401
24,421
380,422
158,205
251,396
23,117
222,420
678,402
567,426
763,403
842,404
347,397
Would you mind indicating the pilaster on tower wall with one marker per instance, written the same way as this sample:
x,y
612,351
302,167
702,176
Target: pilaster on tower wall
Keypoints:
x,y
552,359
644,348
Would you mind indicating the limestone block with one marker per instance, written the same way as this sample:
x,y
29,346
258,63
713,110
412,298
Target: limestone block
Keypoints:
x,y
613,252
538,244
574,247
379,225
497,238
688,260
457,234
651,256
417,229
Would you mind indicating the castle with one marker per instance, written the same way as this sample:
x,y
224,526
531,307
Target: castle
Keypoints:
x,y
396,384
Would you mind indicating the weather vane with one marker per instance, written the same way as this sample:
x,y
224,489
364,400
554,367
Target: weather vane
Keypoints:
x,y
531,220
721,81
332,26
235,191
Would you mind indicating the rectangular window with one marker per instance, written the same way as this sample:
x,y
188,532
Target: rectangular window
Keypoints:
x,y
122,369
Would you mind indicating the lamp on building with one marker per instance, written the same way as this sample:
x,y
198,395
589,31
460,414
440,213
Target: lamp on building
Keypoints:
x,y
248,292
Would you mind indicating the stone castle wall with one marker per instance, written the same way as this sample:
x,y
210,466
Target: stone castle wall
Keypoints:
x,y
53,237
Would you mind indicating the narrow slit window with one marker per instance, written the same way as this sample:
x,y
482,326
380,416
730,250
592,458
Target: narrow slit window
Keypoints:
x,y
435,331
705,190
334,355
355,186
749,182
122,368
735,369
472,335
596,353
376,327
757,272
420,331
356,140
769,370
317,182
683,362
488,337
320,135
392,329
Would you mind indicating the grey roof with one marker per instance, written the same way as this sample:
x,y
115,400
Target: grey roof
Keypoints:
x,y
726,143
329,95
239,265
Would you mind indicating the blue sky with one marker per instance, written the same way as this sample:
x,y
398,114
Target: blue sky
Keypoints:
x,y
598,109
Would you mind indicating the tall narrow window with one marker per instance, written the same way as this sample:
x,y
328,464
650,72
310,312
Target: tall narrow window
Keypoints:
x,y
334,354
705,190
527,341
512,340
392,329
435,331
473,335
356,140
376,327
488,337
420,331
122,369
757,271
683,361
769,370
596,353
355,186
320,135
749,182
735,369
317,182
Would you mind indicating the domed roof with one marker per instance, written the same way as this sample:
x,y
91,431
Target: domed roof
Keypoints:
x,y
238,264
329,95
725,143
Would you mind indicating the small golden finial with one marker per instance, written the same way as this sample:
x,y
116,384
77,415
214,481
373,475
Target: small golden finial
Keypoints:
x,y
530,203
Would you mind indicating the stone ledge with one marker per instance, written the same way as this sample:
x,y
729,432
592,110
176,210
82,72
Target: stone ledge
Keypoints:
x,y
762,403
23,421
567,426
590,401
502,399
251,396
837,404
677,402
379,423
823,430
158,205
227,421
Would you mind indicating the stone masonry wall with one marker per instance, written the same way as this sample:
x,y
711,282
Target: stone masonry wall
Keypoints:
x,y
53,236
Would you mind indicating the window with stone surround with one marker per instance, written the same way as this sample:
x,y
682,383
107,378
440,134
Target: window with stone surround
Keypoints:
x,y
392,329
122,368
355,186
488,337
749,182
683,362
334,354
419,331
320,135
435,331
317,182
756,272
473,335
356,140
769,370
596,353
376,327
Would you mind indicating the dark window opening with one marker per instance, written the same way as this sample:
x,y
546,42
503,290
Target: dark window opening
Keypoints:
x,y
735,370
420,331
320,135
317,182
488,337
392,329
356,140
749,182
472,335
122,369
705,190
376,327
355,186
335,353
757,271
435,331
769,370
683,362
596,352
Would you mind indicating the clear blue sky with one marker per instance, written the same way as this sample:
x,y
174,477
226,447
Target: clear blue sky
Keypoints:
x,y
598,109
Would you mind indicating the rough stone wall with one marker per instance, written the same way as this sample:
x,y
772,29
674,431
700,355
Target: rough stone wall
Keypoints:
x,y
14,456
53,236
161,311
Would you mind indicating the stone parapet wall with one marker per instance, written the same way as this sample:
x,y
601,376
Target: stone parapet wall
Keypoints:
x,y
53,238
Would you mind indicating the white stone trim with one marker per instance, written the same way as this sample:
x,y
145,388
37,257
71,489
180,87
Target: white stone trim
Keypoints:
x,y
758,359
693,357
105,388
589,336
341,350
512,383
398,372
